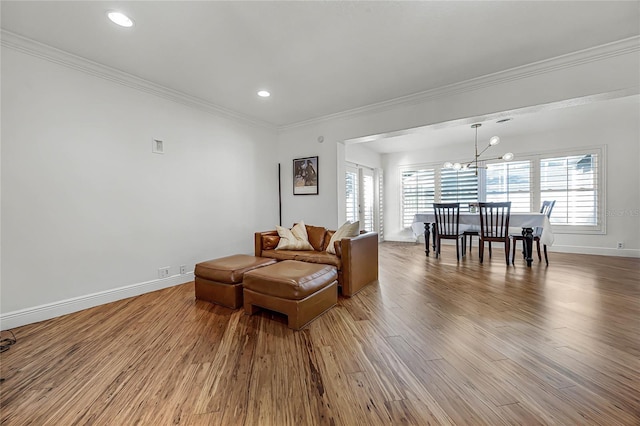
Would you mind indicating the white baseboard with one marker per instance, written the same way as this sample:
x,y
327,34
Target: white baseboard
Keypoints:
x,y
52,310
602,251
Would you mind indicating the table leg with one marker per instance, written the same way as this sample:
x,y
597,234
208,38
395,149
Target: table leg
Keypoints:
x,y
527,233
426,238
433,235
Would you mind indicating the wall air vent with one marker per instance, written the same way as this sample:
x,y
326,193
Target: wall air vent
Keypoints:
x,y
157,146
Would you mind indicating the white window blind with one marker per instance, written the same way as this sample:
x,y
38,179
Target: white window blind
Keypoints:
x,y
573,182
351,187
368,200
381,204
510,182
459,186
418,192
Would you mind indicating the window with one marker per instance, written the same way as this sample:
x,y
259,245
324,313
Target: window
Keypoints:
x,y
511,182
459,186
573,182
418,193
367,200
573,179
380,203
362,203
351,183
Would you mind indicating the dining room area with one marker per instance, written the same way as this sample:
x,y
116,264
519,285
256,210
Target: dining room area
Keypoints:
x,y
567,169
490,223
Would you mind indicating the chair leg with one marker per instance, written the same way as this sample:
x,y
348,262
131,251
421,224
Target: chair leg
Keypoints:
x,y
524,249
539,257
490,250
458,249
437,247
513,252
506,250
546,259
481,250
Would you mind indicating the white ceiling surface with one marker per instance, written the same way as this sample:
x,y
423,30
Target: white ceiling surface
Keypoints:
x,y
318,58
537,122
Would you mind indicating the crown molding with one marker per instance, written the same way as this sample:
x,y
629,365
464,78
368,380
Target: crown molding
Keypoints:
x,y
593,54
54,55
43,51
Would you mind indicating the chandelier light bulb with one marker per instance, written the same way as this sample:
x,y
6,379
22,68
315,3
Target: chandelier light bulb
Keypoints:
x,y
457,166
508,156
448,165
495,140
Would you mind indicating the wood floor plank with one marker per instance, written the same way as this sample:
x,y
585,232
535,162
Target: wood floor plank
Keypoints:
x,y
435,341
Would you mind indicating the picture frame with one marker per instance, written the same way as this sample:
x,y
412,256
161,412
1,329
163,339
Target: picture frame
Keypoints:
x,y
305,176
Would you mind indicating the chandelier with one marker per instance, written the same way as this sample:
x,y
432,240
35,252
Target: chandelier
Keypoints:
x,y
473,164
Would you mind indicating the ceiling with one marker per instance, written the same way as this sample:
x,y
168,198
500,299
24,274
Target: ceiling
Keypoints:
x,y
540,121
318,58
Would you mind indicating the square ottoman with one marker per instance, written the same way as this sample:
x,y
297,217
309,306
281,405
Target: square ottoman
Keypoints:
x,y
220,280
300,290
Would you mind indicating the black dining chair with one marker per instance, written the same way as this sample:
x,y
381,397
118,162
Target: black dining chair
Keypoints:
x,y
494,226
547,208
470,233
448,226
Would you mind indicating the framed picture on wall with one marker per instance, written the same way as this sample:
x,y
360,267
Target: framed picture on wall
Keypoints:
x,y
305,176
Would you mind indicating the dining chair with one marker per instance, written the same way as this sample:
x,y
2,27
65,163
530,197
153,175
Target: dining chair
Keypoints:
x,y
470,233
547,208
494,226
448,226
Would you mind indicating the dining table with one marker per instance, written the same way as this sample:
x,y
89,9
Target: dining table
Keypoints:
x,y
526,221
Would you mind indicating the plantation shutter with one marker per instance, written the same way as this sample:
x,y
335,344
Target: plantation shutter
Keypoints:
x,y
510,182
459,186
573,182
418,191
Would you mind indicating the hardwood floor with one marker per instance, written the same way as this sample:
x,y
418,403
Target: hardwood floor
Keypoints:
x,y
435,342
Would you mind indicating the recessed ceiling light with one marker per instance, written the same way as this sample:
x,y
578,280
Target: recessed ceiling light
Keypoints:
x,y
120,19
504,120
264,94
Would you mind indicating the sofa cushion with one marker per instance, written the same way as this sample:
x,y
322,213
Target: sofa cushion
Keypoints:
x,y
345,231
280,254
316,236
321,257
294,238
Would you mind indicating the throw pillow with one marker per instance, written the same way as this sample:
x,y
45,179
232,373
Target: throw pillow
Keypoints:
x,y
347,230
293,239
316,236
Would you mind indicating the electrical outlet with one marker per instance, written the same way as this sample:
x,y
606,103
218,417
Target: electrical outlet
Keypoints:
x,y
620,245
183,269
163,272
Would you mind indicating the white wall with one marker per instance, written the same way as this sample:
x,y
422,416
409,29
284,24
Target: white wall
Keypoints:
x,y
89,213
607,69
614,125
359,154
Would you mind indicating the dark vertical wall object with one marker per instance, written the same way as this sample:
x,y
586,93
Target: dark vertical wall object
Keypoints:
x,y
279,197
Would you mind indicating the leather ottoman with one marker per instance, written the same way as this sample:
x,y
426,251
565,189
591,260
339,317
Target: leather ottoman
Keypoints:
x,y
220,280
300,290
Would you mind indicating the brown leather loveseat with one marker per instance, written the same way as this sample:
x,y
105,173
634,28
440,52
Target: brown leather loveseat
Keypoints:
x,y
356,258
